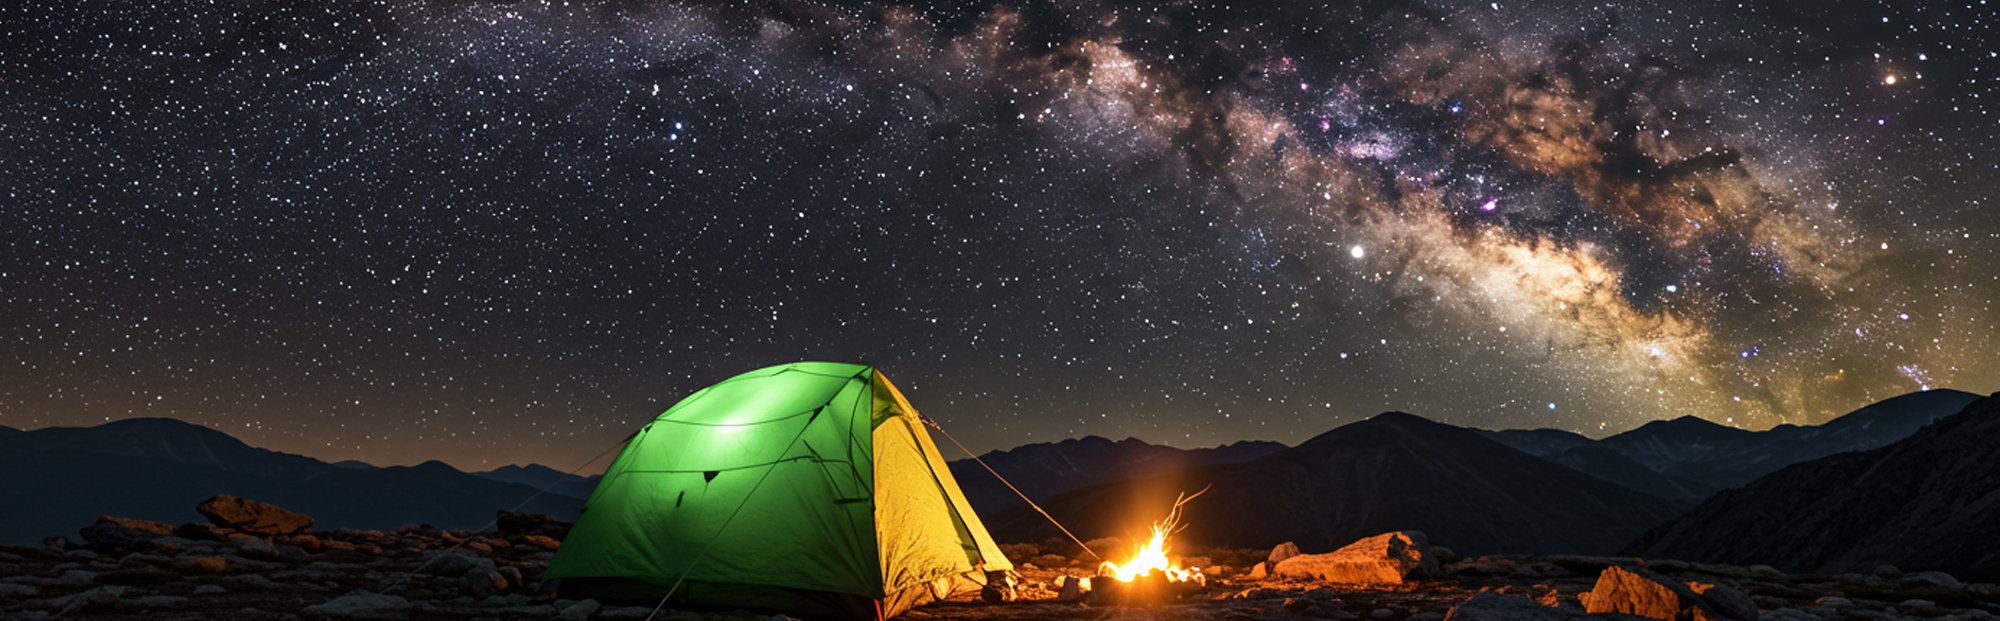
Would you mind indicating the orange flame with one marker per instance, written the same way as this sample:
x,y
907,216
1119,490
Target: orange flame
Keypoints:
x,y
1153,556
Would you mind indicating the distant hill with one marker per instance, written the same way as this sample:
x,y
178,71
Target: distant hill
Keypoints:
x,y
1929,501
1690,458
539,476
54,479
1541,442
1392,472
1046,469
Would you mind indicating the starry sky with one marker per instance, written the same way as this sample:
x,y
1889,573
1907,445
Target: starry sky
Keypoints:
x,y
499,232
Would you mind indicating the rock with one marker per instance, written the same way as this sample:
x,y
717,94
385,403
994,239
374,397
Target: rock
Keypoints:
x,y
1070,589
252,582
544,542
482,582
157,601
74,577
1642,593
1788,614
115,531
94,599
578,610
201,565
1888,572
1987,589
136,576
1934,578
523,523
514,578
362,605
1833,601
1260,571
251,516
56,542
1917,604
1382,613
1443,554
1765,571
1726,600
625,613
1281,552
454,563
1490,606
202,532
1000,587
257,549
141,559
210,589
1388,558
11,591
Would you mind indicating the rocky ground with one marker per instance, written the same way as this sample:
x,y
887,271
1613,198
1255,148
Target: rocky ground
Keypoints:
x,y
257,562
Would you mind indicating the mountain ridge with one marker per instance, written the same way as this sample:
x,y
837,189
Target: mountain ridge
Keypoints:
x,y
1921,503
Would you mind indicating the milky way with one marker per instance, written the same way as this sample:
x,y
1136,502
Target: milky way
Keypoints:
x,y
510,232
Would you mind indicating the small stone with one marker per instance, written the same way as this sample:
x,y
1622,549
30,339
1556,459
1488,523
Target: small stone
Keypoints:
x,y
1934,578
1888,572
1281,552
1765,571
481,582
1833,601
1382,613
544,542
1726,600
257,549
210,589
514,578
157,601
1917,604
201,565
577,611
1788,614
94,599
13,591
363,605
1070,589
1490,606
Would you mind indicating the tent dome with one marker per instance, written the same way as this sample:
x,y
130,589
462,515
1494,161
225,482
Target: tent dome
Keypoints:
x,y
809,488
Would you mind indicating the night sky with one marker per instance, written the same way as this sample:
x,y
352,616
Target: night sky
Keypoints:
x,y
510,232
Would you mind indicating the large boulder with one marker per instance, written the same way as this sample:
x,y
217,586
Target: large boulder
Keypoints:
x,y
1388,558
115,531
1642,593
1490,606
251,516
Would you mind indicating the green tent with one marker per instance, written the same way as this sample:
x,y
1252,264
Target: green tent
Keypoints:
x,y
810,488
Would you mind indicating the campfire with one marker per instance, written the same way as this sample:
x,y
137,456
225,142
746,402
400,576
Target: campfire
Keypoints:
x,y
1151,576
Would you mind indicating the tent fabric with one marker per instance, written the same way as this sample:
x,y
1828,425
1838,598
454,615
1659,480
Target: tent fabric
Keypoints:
x,y
810,488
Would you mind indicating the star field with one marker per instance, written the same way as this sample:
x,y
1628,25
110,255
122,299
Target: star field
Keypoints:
x,y
500,232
